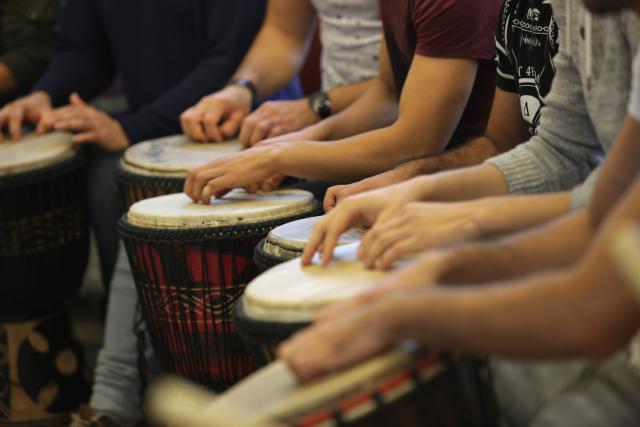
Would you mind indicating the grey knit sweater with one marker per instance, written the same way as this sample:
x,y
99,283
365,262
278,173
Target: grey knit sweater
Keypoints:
x,y
584,109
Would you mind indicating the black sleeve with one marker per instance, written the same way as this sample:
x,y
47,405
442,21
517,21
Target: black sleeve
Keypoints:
x,y
505,71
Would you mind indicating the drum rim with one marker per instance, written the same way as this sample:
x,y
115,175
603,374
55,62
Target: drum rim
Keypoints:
x,y
194,235
253,329
128,177
265,260
67,165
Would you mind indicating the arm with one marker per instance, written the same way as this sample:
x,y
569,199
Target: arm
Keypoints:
x,y
424,127
84,60
588,309
541,248
275,57
227,40
505,130
28,42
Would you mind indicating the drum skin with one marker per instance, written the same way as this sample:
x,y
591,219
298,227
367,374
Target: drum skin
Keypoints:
x,y
44,238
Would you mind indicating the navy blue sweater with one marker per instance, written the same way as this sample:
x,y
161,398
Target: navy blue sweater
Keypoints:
x,y
168,53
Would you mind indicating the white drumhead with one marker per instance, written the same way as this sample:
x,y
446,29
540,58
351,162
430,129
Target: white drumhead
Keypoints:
x,y
291,293
34,151
289,240
174,154
238,207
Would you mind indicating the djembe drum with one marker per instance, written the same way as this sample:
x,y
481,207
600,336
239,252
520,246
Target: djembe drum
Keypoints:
x,y
43,255
287,242
404,388
158,167
190,263
286,298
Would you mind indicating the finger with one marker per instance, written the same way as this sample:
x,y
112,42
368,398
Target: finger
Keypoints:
x,y
200,181
48,119
316,238
76,124
339,224
211,122
261,130
191,121
330,198
247,130
395,252
272,183
231,126
277,131
15,122
85,137
377,240
253,188
75,99
4,120
223,184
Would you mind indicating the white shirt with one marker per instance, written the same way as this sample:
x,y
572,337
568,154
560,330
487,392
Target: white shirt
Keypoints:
x,y
351,33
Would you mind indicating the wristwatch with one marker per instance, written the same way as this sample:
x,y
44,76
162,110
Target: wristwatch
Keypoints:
x,y
247,84
320,103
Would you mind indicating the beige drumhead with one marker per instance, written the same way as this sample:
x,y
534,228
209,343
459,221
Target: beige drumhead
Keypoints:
x,y
291,293
238,207
288,240
35,151
173,155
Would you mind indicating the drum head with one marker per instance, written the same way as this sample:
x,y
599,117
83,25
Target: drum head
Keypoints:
x,y
34,151
291,293
174,155
178,211
293,237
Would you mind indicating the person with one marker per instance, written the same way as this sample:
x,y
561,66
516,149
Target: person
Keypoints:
x,y
187,50
510,300
446,52
526,42
526,186
350,31
27,43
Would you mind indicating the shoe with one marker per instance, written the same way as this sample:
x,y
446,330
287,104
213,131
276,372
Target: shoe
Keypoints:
x,y
85,418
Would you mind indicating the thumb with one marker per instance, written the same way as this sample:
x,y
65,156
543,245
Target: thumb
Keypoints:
x,y
75,99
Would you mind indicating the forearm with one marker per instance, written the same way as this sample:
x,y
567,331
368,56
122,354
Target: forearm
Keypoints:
x,y
376,107
470,154
550,246
505,319
343,96
274,59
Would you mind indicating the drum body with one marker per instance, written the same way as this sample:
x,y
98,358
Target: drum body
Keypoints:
x,y
43,234
188,278
432,392
287,242
43,376
159,167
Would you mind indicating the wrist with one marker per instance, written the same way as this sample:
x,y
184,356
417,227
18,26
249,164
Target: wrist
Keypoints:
x,y
243,91
320,104
278,159
42,96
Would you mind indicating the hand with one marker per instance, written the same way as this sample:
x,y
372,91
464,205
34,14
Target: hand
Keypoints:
x,y
362,210
415,228
426,270
218,116
91,125
339,192
276,118
31,108
315,132
244,169
327,347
